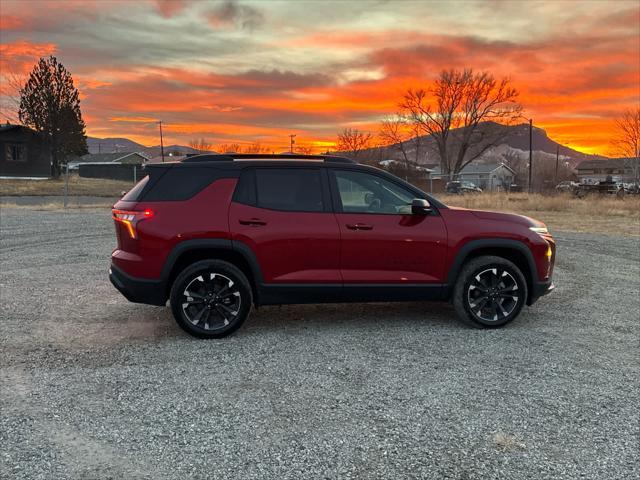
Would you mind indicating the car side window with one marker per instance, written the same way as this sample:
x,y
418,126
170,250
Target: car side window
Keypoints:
x,y
362,192
289,189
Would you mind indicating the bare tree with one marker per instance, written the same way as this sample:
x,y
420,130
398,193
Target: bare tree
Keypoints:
x,y
545,178
402,133
627,139
417,133
461,112
255,148
228,148
353,140
304,150
11,83
394,135
200,144
517,163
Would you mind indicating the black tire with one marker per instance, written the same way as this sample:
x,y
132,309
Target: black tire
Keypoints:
x,y
491,280
219,302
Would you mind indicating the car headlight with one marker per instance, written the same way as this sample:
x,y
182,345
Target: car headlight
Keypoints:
x,y
540,230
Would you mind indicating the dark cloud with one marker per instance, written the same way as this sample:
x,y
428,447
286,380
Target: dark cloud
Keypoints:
x,y
270,80
231,13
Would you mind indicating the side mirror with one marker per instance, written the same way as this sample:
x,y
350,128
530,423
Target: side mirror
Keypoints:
x,y
420,206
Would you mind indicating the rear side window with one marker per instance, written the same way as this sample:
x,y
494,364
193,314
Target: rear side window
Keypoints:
x,y
133,195
181,183
289,189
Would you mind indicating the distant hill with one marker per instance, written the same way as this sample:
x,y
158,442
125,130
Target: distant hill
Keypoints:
x,y
113,145
177,150
514,142
116,145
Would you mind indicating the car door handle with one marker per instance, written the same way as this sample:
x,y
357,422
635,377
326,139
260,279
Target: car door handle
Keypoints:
x,y
359,226
254,222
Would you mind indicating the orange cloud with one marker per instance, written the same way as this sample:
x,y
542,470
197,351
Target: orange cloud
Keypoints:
x,y
20,56
134,119
11,22
235,75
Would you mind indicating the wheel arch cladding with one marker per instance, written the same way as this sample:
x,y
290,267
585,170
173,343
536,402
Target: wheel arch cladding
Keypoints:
x,y
513,250
191,251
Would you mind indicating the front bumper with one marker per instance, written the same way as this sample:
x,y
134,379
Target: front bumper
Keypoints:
x,y
540,289
151,292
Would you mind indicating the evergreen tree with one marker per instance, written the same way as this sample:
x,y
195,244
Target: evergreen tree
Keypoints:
x,y
50,104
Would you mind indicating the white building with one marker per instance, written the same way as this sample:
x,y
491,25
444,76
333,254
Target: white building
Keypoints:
x,y
489,177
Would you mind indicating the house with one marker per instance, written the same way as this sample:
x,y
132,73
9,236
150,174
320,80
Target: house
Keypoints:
x,y
120,158
489,176
23,153
594,171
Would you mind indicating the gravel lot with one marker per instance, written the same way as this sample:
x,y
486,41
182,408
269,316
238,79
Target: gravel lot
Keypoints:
x,y
92,386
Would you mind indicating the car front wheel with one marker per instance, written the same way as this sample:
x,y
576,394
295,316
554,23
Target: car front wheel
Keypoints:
x,y
211,299
490,292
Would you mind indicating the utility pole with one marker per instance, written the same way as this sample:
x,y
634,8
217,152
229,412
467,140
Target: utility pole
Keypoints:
x,y
557,158
530,151
291,142
161,142
637,172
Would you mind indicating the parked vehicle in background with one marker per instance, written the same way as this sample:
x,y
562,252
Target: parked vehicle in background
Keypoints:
x,y
461,187
631,188
567,186
217,234
606,187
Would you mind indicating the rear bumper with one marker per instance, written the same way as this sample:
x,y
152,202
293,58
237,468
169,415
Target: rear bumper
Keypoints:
x,y
151,292
540,289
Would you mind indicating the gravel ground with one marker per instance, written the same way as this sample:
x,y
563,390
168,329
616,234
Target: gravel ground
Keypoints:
x,y
92,386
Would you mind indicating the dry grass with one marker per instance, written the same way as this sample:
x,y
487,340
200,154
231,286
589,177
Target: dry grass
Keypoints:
x,y
595,214
77,186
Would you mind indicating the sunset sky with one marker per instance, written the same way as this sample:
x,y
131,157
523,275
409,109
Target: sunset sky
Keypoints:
x,y
255,71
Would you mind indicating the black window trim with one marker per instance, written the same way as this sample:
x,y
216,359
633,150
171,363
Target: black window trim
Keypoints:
x,y
250,175
324,186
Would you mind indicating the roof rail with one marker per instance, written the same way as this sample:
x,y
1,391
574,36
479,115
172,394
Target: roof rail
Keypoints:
x,y
230,157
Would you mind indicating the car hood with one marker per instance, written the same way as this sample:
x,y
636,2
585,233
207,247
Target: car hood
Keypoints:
x,y
504,217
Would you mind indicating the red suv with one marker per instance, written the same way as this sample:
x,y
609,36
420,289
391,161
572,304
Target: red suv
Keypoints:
x,y
216,234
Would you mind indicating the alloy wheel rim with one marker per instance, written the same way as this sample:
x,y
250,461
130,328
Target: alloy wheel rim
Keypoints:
x,y
493,294
211,301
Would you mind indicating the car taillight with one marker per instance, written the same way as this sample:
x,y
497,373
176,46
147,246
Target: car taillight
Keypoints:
x,y
130,218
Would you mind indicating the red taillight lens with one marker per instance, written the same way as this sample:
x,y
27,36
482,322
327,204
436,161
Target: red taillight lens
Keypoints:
x,y
130,218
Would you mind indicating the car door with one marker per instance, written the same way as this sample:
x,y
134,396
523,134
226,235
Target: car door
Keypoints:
x,y
283,215
381,240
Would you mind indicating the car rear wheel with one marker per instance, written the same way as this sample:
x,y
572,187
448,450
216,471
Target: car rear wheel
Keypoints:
x,y
211,299
490,292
